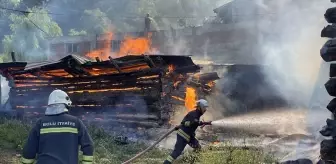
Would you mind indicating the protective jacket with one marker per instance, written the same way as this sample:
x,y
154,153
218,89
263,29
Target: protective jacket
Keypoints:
x,y
186,135
189,124
55,139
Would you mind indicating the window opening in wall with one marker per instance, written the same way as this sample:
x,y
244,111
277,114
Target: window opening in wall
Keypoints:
x,y
72,47
116,45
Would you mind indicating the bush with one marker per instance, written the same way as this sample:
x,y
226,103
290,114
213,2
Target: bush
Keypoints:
x,y
13,134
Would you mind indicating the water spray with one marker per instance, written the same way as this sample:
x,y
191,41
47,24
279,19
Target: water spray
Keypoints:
x,y
278,122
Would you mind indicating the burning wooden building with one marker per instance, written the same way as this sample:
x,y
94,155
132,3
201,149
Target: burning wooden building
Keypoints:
x,y
134,89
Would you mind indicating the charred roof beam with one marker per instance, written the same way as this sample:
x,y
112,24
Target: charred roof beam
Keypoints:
x,y
115,64
74,68
149,61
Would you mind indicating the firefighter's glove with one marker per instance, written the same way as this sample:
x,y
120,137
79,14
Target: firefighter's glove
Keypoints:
x,y
177,128
191,123
196,123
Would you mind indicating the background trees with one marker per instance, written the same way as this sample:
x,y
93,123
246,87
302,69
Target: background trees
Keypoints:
x,y
25,25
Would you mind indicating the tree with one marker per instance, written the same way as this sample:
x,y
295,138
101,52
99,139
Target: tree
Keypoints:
x,y
10,3
29,34
161,10
96,22
73,32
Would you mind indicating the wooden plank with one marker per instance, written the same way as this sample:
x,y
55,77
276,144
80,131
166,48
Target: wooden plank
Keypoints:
x,y
108,76
91,81
96,88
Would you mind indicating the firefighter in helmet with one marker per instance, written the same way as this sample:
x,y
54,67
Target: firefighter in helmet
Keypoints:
x,y
186,131
56,137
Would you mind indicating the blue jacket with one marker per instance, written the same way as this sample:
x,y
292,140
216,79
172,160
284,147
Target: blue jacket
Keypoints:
x,y
56,139
189,124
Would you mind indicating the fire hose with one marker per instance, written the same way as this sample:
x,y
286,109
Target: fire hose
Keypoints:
x,y
157,142
150,147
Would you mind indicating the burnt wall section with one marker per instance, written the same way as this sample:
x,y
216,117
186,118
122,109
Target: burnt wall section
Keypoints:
x,y
244,88
131,90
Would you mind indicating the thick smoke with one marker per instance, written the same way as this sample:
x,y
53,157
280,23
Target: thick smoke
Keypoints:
x,y
288,42
292,48
296,69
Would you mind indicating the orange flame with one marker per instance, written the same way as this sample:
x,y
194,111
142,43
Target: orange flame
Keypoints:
x,y
211,84
190,99
171,68
105,51
129,45
135,46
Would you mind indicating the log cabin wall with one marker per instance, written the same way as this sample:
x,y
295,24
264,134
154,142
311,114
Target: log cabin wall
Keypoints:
x,y
126,87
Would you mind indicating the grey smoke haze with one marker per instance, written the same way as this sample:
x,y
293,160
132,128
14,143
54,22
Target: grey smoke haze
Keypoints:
x,y
297,70
293,51
127,15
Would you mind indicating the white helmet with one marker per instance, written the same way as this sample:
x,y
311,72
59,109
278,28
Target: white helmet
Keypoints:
x,y
59,97
202,103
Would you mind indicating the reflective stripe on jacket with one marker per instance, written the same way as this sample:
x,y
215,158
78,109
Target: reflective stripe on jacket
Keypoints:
x,y
56,139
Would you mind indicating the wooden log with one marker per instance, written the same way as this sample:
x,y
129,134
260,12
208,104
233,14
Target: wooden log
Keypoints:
x,y
107,64
136,88
187,69
115,64
126,110
207,77
86,98
146,72
88,81
142,79
96,86
149,61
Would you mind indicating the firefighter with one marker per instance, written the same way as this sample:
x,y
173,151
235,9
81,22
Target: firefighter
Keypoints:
x,y
186,131
56,137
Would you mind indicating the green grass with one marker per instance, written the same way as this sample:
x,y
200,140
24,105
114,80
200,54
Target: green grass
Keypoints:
x,y
13,134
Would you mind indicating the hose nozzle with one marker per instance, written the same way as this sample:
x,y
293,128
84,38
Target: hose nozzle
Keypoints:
x,y
202,124
207,123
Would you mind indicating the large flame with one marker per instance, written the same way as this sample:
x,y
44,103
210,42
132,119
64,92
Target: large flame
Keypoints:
x,y
190,99
104,52
129,45
135,46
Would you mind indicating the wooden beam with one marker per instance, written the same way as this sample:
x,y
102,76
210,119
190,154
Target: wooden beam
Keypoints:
x,y
115,64
149,61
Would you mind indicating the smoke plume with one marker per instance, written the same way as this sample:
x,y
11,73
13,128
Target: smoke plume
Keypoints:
x,y
292,51
292,48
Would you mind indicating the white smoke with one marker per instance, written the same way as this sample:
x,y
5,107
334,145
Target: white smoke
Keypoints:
x,y
295,64
293,56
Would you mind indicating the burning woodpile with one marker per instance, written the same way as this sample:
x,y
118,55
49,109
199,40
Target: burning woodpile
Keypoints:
x,y
134,89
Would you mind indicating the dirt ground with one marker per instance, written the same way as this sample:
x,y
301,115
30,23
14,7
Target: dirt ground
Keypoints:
x,y
8,156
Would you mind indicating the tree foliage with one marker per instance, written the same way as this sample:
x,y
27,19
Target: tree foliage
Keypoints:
x,y
74,32
10,3
81,17
29,34
96,21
